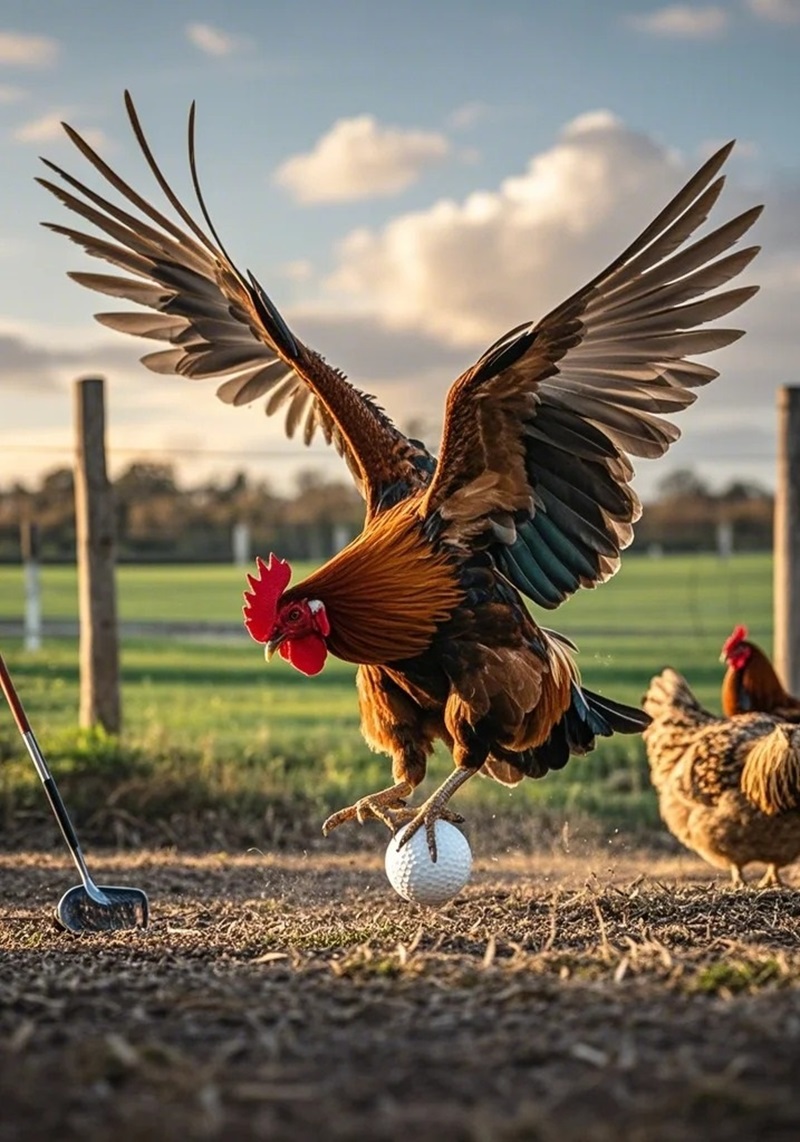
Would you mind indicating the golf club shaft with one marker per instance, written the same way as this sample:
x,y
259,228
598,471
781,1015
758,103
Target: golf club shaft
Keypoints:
x,y
46,777
119,907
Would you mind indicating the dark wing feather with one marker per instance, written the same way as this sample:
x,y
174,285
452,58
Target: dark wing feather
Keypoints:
x,y
535,458
222,324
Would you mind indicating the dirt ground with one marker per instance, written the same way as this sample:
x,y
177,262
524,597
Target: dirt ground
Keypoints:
x,y
560,998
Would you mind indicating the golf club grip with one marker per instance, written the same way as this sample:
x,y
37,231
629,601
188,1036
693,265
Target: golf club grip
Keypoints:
x,y
13,698
62,816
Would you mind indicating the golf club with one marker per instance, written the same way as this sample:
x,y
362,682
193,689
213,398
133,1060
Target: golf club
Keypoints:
x,y
86,907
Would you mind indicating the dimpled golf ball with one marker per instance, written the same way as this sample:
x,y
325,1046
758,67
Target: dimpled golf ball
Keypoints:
x,y
414,876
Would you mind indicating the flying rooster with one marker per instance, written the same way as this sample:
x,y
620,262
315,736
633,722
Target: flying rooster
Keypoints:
x,y
530,497
751,683
728,788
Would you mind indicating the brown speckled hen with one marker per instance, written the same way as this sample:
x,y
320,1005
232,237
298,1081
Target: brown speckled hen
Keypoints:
x,y
530,497
728,788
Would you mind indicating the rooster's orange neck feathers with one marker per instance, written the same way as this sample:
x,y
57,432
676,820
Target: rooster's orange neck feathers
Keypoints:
x,y
386,593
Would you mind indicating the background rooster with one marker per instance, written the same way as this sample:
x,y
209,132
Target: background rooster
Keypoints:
x,y
751,683
728,788
530,496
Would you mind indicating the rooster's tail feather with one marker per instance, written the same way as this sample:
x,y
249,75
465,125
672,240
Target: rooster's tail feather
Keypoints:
x,y
589,715
607,717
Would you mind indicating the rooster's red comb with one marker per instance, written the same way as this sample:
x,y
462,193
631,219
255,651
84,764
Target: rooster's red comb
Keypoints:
x,y
739,633
261,602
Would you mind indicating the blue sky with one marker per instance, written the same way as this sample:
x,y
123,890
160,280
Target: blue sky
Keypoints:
x,y
407,182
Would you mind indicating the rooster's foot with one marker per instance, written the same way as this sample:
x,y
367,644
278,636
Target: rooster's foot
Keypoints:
x,y
417,818
382,806
434,809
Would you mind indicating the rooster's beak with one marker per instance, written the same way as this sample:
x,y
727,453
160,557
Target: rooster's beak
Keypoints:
x,y
271,646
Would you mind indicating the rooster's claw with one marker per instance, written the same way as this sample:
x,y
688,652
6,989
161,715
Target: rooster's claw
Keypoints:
x,y
425,817
380,806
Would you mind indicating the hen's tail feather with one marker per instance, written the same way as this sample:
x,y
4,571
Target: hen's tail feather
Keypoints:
x,y
771,774
669,694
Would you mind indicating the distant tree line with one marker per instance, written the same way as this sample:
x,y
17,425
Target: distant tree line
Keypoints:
x,y
160,521
685,515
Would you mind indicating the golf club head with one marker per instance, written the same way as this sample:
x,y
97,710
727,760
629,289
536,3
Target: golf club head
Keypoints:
x,y
126,908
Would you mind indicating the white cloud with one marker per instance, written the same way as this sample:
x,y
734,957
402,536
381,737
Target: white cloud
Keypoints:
x,y
464,271
683,21
589,121
213,41
43,129
18,49
360,158
776,11
47,129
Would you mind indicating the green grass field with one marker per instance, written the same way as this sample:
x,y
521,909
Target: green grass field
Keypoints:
x,y
209,722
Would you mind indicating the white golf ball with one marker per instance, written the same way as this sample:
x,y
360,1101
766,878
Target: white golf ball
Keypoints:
x,y
414,876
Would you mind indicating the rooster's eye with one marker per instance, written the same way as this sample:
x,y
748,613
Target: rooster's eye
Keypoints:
x,y
294,614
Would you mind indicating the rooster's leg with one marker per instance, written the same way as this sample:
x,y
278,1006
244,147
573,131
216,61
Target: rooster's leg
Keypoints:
x,y
771,878
434,809
382,806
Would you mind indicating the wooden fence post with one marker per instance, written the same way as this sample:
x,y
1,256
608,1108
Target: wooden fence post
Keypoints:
x,y
787,541
94,518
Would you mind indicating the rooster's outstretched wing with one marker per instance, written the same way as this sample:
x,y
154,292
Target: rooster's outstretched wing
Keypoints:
x,y
534,462
222,324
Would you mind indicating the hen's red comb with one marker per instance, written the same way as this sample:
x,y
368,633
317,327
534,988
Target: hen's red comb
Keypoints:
x,y
261,603
739,633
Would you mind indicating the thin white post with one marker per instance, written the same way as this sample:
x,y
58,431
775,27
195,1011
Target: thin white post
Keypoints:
x,y
29,542
240,542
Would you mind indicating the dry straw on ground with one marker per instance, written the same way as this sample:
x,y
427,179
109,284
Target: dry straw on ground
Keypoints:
x,y
560,999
